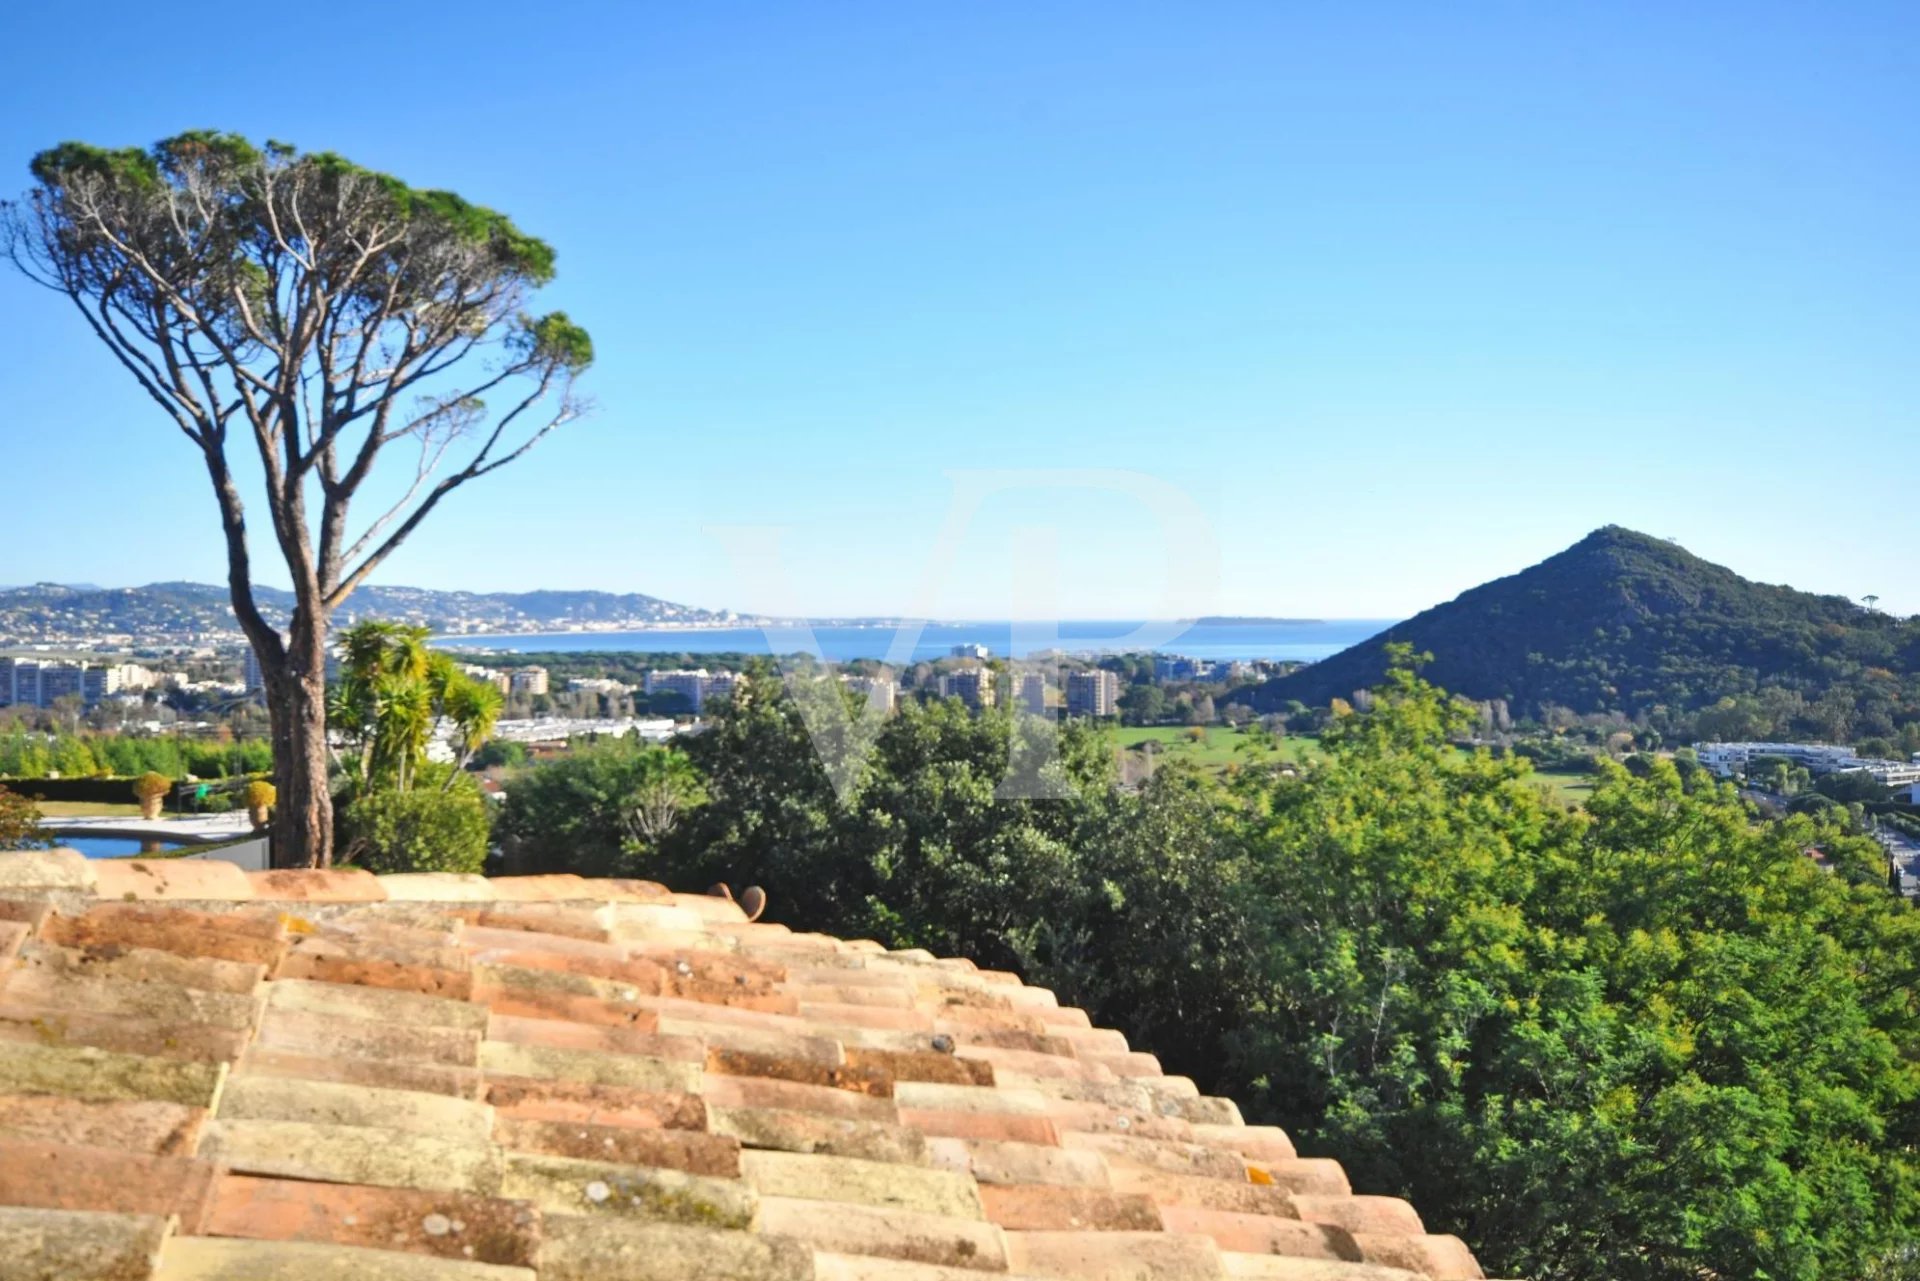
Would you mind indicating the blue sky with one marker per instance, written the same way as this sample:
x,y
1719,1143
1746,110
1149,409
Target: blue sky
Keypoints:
x,y
1396,298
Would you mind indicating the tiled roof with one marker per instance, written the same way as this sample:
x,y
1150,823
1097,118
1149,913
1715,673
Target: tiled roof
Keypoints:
x,y
213,1075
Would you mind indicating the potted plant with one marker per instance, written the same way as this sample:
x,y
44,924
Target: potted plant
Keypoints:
x,y
260,798
151,789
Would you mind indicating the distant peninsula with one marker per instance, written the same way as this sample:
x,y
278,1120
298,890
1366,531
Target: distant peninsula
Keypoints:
x,y
1254,620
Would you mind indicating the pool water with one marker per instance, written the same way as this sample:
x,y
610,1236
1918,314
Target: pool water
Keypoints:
x,y
115,846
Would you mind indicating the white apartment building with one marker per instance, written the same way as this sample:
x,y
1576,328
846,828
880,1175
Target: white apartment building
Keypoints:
x,y
696,685
1728,759
597,685
38,681
528,680
1030,693
880,692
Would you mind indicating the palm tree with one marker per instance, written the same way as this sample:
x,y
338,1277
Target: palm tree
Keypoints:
x,y
393,692
474,708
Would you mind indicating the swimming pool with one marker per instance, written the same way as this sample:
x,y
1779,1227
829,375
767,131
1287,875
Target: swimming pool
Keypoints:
x,y
115,846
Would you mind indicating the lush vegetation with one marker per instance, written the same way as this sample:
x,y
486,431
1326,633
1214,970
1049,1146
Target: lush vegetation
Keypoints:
x,y
404,314
26,754
397,810
1629,624
1651,1039
438,825
1215,747
19,822
599,809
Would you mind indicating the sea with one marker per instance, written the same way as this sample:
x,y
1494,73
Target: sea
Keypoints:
x,y
1295,639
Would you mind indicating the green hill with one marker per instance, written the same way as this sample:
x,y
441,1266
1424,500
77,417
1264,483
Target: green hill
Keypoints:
x,y
1623,622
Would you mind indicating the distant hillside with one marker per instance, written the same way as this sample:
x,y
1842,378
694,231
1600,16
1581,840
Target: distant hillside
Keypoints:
x,y
1623,622
51,611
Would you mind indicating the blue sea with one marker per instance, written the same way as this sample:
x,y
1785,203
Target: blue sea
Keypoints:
x,y
1297,640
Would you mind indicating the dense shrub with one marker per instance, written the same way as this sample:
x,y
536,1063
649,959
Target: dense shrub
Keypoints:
x,y
600,810
1647,1041
19,823
435,827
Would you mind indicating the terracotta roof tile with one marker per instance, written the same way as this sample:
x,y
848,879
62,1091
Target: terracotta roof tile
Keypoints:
x,y
208,1074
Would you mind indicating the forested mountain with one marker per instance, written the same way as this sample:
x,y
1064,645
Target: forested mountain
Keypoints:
x,y
1624,622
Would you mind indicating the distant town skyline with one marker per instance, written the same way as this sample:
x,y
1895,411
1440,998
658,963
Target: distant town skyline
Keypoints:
x,y
1396,301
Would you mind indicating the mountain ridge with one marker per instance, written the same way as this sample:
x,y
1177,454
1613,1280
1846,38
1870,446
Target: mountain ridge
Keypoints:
x,y
1625,622
55,611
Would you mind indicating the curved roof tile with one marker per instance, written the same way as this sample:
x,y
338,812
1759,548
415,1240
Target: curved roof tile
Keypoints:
x,y
207,1074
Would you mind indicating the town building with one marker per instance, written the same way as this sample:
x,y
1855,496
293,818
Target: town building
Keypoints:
x,y
971,650
489,676
1176,667
597,685
127,678
719,685
882,693
1093,693
20,682
1030,693
697,685
1725,760
37,681
528,680
972,686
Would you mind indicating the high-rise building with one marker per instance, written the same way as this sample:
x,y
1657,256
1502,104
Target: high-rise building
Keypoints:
x,y
1030,693
697,685
20,682
972,686
1093,693
126,677
718,685
1175,667
38,681
528,680
881,692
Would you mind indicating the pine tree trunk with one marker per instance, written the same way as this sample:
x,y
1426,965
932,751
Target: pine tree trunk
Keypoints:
x,y
302,830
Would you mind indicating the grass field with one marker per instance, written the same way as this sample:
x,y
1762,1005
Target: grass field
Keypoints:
x,y
1570,789
1217,747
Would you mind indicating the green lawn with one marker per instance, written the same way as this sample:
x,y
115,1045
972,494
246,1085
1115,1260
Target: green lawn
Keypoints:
x,y
1569,789
86,809
1217,747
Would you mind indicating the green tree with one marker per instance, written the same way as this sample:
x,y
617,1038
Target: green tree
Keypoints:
x,y
439,826
393,692
600,809
1653,1041
328,312
1144,704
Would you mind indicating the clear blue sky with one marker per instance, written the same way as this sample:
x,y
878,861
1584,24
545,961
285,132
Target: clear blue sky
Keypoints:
x,y
1402,297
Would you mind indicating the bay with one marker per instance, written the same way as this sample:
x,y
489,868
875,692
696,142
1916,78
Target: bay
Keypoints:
x,y
1298,640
